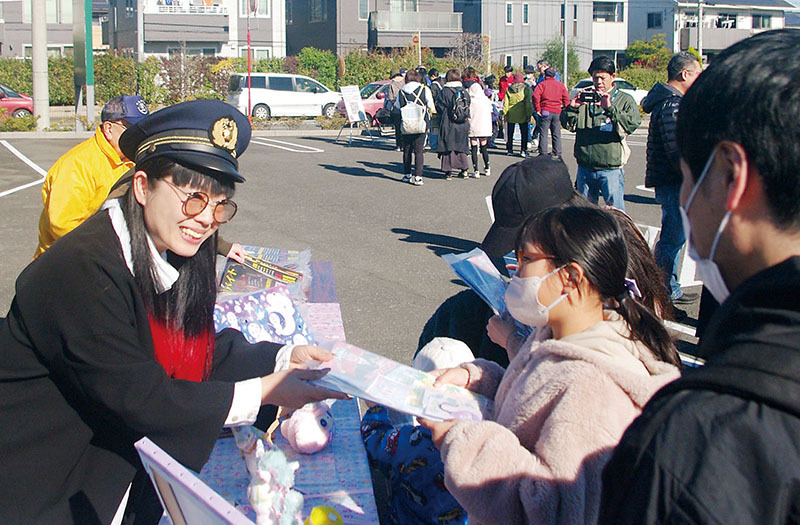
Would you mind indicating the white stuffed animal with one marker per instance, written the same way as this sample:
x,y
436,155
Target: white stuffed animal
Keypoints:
x,y
309,429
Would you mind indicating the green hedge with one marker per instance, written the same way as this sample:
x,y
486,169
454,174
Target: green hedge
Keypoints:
x,y
642,77
163,81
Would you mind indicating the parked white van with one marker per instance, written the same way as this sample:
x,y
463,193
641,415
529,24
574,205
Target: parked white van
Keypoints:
x,y
282,95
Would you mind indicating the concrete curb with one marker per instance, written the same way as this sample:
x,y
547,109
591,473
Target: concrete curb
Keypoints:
x,y
9,135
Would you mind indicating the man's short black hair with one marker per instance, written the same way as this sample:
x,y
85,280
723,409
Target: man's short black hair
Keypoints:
x,y
679,62
602,63
543,61
433,72
508,69
750,95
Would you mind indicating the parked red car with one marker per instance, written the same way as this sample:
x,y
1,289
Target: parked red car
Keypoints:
x,y
15,104
372,95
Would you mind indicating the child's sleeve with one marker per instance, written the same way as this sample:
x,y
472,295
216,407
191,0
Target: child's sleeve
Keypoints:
x,y
379,435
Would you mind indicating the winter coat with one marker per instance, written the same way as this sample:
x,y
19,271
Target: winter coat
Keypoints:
x,y
663,159
560,408
76,186
79,384
600,134
503,85
720,445
517,106
480,114
425,99
550,95
452,136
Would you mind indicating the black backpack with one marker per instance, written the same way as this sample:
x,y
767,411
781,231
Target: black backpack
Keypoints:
x,y
459,108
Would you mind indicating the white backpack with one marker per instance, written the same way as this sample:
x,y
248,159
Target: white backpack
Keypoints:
x,y
413,114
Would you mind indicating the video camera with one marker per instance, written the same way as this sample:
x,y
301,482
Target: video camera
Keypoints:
x,y
589,95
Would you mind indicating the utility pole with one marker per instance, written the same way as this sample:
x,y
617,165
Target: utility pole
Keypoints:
x,y
565,74
41,90
700,30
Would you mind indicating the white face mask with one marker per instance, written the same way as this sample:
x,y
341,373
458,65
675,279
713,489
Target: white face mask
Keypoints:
x,y
522,300
706,267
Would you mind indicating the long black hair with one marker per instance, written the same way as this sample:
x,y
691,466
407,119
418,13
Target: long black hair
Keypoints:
x,y
189,306
592,238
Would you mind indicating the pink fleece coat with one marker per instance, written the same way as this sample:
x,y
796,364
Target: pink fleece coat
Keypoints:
x,y
560,408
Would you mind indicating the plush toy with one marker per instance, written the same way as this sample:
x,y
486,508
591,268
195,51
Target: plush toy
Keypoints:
x,y
271,479
309,429
323,515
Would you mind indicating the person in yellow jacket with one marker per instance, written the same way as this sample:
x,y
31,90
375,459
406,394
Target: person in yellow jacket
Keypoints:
x,y
79,182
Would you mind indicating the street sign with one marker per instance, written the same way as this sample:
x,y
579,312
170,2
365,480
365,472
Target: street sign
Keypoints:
x,y
415,39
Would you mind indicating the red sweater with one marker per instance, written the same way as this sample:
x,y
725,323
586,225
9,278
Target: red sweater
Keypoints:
x,y
503,85
550,95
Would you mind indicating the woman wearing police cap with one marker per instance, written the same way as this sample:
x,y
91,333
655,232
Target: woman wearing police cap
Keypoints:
x,y
110,336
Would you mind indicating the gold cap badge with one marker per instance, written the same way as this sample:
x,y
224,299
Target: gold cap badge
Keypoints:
x,y
224,133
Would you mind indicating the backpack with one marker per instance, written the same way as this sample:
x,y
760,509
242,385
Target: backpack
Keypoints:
x,y
413,113
459,108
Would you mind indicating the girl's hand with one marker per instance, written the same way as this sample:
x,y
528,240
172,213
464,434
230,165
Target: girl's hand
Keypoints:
x,y
453,376
302,354
498,330
439,429
237,253
291,389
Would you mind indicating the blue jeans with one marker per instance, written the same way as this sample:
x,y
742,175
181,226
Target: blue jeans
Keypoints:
x,y
433,137
668,249
608,183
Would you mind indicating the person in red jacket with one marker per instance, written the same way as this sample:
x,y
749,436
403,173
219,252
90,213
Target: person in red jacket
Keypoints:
x,y
549,97
502,85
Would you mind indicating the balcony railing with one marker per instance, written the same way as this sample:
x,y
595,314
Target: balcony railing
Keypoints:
x,y
415,21
185,7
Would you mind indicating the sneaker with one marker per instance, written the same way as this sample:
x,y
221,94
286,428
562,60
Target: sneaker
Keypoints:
x,y
463,174
556,157
488,172
417,181
407,177
475,175
687,298
448,176
398,148
523,154
510,153
679,315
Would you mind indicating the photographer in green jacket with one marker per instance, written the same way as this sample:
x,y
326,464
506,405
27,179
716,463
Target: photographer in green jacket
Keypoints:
x,y
601,117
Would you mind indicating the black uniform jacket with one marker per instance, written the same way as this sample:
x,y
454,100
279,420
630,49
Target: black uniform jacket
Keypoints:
x,y
79,385
722,444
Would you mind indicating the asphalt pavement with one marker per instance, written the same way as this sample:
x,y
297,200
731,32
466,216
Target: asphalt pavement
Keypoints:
x,y
345,202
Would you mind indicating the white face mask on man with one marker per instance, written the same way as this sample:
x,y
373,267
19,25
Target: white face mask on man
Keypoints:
x,y
522,300
706,267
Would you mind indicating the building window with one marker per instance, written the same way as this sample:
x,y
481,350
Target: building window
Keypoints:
x,y
690,19
759,21
608,12
574,19
318,11
404,5
562,19
363,9
726,21
525,14
262,8
509,13
130,9
507,60
524,61
289,12
654,20
255,53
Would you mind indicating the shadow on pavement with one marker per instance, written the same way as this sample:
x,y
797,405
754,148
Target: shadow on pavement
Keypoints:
x,y
361,172
437,243
639,199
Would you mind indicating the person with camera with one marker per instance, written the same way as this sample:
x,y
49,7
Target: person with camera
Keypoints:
x,y
601,116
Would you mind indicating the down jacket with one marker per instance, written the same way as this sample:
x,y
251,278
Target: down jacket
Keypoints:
x,y
663,159
560,409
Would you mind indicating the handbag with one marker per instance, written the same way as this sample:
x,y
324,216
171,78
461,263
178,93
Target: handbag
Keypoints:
x,y
413,115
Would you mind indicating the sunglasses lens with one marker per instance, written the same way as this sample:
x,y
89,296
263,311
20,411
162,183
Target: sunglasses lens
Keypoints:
x,y
224,211
195,204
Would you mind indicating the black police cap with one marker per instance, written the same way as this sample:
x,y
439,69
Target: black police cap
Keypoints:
x,y
206,135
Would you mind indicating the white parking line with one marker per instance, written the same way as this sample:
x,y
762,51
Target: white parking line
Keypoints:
x,y
305,149
27,161
644,188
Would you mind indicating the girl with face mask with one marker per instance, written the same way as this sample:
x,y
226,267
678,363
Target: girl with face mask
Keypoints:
x,y
573,387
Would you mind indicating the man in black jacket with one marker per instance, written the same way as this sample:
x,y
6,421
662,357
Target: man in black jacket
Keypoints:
x,y
663,165
720,445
